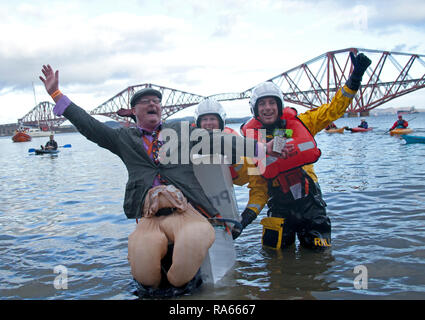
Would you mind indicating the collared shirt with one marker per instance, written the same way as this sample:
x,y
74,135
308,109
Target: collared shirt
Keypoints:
x,y
148,134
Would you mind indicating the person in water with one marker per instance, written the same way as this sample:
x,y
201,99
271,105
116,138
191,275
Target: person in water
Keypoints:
x,y
210,115
166,197
51,144
331,126
400,123
363,124
295,201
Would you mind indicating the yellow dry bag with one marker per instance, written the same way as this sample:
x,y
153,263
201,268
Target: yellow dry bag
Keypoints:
x,y
272,232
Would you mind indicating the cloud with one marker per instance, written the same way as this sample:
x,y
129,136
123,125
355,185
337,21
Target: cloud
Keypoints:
x,y
102,47
225,25
89,50
397,13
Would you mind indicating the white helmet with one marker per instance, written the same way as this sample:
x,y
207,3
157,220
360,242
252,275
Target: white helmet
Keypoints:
x,y
210,106
265,89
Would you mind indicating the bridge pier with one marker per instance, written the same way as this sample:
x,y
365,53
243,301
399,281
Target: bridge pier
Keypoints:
x,y
358,114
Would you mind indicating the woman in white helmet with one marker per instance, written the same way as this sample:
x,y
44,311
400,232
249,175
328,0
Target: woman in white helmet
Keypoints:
x,y
210,115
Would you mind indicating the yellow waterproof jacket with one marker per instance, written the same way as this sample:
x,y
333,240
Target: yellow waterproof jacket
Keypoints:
x,y
319,118
257,185
315,120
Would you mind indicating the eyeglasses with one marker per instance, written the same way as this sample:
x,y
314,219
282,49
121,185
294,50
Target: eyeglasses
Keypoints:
x,y
148,101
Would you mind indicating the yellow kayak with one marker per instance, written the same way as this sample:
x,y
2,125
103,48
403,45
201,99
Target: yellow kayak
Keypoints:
x,y
339,130
401,131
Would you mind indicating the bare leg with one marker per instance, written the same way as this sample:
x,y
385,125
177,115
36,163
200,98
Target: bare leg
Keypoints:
x,y
190,232
147,245
193,235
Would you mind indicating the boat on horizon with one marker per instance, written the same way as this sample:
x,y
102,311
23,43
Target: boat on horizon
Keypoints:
x,y
35,132
412,110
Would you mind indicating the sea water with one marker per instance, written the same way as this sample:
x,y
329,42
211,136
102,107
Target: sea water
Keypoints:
x,y
63,232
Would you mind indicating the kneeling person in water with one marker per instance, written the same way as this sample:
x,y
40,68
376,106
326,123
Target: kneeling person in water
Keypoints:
x,y
167,198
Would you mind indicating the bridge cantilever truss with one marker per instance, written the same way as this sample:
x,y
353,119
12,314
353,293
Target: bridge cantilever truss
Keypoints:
x,y
311,84
315,82
42,115
173,101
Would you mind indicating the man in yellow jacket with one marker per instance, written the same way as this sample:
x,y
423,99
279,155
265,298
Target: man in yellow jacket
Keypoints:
x,y
210,115
295,202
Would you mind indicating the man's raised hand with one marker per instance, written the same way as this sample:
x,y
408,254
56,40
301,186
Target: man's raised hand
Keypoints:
x,y
50,80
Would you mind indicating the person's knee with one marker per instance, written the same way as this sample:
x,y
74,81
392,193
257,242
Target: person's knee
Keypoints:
x,y
177,280
148,240
199,234
190,248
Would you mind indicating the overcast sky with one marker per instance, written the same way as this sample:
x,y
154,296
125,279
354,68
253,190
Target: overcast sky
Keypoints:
x,y
202,47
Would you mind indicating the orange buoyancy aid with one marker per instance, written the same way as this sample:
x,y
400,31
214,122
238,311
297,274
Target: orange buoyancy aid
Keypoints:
x,y
230,130
306,150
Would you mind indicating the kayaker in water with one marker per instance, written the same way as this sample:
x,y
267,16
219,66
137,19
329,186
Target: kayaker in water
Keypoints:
x,y
331,126
51,144
295,202
167,198
210,115
363,124
400,123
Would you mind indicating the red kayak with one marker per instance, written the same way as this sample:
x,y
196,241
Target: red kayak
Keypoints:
x,y
358,129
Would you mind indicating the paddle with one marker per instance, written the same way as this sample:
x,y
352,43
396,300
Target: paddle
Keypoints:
x,y
64,146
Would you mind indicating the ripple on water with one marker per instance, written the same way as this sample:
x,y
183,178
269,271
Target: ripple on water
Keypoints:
x,y
373,186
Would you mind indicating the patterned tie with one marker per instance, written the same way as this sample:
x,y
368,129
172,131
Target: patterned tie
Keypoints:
x,y
156,145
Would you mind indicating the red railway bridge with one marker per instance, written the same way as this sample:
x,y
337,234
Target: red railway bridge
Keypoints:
x,y
311,84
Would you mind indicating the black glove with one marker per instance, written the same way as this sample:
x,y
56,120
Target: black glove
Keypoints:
x,y
360,63
248,216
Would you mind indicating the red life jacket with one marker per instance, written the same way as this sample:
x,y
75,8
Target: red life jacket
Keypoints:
x,y
306,148
230,130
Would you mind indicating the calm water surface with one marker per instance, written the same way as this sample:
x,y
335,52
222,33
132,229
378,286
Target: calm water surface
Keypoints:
x,y
67,211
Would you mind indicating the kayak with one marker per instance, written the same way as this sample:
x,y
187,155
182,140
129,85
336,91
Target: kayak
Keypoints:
x,y
401,131
338,130
41,151
413,139
46,151
358,129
